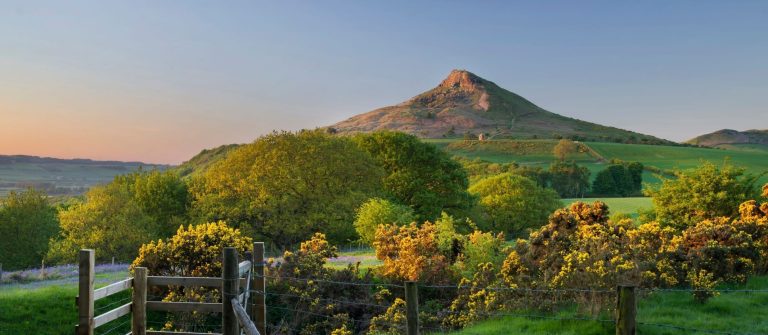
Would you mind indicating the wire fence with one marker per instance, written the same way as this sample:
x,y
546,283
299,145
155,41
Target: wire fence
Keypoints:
x,y
568,306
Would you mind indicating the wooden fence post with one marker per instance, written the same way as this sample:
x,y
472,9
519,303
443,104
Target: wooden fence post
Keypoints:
x,y
230,289
626,310
257,307
85,324
139,306
412,308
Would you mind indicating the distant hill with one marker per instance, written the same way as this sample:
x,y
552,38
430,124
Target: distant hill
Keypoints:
x,y
733,139
200,162
464,103
58,176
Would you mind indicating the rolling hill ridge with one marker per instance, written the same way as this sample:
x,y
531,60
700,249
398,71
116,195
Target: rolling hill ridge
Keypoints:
x,y
730,139
464,104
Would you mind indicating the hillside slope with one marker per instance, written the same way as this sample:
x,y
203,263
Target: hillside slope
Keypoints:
x,y
730,137
58,176
464,103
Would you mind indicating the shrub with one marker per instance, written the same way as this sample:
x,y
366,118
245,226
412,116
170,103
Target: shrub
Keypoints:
x,y
511,203
195,252
703,285
412,253
481,248
27,222
377,211
705,193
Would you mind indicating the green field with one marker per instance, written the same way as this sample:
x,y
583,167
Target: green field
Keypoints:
x,y
539,153
729,313
51,310
59,176
630,206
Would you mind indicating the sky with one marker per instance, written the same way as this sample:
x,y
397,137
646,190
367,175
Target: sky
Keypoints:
x,y
158,81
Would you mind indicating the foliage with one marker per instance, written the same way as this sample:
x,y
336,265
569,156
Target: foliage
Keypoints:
x,y
704,193
721,249
480,248
619,180
418,174
377,211
476,298
286,186
193,252
511,203
109,221
564,148
569,179
412,253
306,295
392,322
115,219
703,284
27,222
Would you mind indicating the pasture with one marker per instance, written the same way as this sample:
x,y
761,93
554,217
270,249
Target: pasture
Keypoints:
x,y
538,153
59,176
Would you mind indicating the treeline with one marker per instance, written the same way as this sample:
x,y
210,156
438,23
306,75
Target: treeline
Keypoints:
x,y
710,227
568,179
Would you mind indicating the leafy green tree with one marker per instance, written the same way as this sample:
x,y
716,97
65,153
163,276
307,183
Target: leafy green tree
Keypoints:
x,y
618,180
163,196
286,186
109,221
418,174
377,211
569,179
512,204
27,222
565,147
115,219
704,193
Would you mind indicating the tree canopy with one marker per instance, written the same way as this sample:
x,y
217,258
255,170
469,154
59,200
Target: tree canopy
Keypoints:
x,y
27,222
418,174
619,180
286,186
511,204
704,193
116,218
377,211
569,179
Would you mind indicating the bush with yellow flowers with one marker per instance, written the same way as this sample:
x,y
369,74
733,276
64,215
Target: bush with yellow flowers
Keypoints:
x,y
195,251
412,253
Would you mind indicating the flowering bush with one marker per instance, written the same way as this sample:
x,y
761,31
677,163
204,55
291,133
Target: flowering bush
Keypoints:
x,y
412,253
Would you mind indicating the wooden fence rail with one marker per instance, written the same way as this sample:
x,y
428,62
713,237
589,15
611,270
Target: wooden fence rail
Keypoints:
x,y
239,309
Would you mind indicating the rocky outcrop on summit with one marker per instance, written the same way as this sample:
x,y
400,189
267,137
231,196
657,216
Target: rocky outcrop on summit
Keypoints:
x,y
466,104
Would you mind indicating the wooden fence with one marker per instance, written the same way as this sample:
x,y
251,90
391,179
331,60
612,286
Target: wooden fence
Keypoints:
x,y
241,312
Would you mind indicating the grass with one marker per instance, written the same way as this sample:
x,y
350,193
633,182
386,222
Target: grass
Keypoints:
x,y
731,312
366,258
538,153
51,310
629,206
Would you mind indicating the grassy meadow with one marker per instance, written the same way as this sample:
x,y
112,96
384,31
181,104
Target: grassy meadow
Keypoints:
x,y
538,153
59,176
728,313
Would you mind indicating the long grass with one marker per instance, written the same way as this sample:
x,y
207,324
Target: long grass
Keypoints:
x,y
658,313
